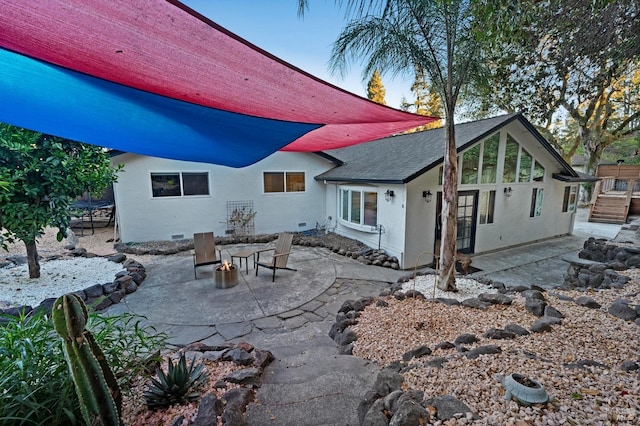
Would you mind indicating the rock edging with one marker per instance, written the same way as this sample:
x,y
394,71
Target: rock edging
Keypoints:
x,y
232,406
98,296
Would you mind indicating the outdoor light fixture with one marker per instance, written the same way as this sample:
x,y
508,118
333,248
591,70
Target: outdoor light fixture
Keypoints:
x,y
388,195
508,191
426,195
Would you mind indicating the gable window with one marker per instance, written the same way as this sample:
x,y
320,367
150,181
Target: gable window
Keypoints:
x,y
470,163
179,184
525,167
510,160
480,162
283,182
569,200
490,159
487,206
536,202
359,207
519,165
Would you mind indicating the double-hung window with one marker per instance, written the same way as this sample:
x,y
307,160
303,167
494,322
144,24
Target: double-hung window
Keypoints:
x,y
179,184
359,207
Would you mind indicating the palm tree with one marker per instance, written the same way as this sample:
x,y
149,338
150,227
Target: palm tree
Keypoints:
x,y
438,36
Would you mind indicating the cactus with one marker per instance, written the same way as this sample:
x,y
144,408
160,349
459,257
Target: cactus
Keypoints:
x,y
95,383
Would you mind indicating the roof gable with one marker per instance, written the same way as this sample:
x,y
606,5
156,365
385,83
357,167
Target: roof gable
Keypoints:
x,y
402,158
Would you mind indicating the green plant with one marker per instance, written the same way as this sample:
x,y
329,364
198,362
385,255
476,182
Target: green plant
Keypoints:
x,y
35,386
95,383
177,386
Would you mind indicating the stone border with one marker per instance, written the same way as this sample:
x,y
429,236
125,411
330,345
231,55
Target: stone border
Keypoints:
x,y
98,296
346,247
233,404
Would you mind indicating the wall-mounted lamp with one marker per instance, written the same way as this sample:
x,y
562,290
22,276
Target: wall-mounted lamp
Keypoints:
x,y
427,195
388,195
508,191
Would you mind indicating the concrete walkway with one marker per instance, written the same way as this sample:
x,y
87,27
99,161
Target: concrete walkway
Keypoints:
x,y
309,383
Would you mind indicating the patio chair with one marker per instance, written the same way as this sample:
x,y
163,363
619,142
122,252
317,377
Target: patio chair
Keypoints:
x,y
204,251
280,255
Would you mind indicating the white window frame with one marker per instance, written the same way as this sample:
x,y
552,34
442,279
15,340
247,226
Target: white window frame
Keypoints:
x,y
347,222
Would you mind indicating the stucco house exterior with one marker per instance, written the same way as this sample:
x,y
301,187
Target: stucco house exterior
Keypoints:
x,y
513,188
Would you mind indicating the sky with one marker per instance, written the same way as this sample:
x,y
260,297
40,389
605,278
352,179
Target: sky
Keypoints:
x,y
306,43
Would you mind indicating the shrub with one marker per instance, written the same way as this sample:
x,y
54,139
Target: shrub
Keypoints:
x,y
35,385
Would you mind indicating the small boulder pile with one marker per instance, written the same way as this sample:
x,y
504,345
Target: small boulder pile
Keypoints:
x,y
597,265
231,407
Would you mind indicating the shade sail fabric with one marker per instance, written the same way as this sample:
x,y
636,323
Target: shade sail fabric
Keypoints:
x,y
156,78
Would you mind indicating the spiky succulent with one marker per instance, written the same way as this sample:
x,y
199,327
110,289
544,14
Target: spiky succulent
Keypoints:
x,y
177,385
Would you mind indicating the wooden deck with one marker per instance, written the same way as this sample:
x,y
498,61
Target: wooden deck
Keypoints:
x,y
616,195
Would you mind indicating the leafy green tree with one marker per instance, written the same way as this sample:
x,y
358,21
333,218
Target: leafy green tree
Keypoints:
x,y
375,89
442,37
574,71
41,176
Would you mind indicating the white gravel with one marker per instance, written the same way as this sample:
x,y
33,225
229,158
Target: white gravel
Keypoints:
x,y
57,277
467,288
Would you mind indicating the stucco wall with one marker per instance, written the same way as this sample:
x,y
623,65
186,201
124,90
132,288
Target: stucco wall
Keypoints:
x,y
144,218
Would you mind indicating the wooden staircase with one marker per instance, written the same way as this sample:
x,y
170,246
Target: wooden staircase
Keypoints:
x,y
609,209
609,205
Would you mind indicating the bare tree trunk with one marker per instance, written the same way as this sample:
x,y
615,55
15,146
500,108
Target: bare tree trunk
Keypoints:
x,y
32,259
447,280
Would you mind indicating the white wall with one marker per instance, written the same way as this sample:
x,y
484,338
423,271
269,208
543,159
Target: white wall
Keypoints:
x,y
391,215
144,218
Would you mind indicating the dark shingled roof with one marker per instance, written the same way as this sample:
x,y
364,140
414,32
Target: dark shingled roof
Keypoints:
x,y
401,158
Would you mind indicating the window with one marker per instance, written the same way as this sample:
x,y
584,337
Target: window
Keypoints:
x,y
538,172
179,184
487,206
484,157
490,159
510,160
283,182
470,161
359,207
569,200
525,167
536,202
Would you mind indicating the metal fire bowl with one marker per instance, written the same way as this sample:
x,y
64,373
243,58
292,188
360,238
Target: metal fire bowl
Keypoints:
x,y
225,279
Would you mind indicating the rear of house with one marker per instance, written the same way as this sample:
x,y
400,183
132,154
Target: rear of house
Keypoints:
x,y
513,189
163,199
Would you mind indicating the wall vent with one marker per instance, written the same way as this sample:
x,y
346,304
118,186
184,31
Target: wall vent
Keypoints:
x,y
301,224
177,237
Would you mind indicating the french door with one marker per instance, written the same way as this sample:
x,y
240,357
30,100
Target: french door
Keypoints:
x,y
466,215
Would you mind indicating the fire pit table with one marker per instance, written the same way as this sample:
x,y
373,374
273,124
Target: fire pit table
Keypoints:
x,y
225,275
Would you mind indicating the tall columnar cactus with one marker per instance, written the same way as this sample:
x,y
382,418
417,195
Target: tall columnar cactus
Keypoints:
x,y
95,383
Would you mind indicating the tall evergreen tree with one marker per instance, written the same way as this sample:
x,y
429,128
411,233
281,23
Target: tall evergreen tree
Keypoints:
x,y
375,90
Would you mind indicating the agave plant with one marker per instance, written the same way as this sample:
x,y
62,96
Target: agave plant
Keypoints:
x,y
177,385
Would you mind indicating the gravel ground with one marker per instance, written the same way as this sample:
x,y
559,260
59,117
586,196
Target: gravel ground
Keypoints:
x,y
588,395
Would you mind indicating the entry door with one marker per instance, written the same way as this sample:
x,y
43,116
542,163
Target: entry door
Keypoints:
x,y
467,213
466,216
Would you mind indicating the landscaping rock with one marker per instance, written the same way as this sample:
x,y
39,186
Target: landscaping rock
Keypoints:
x,y
621,309
447,406
483,350
387,381
516,329
498,334
466,339
550,311
409,413
416,353
476,303
587,302
495,298
375,415
535,306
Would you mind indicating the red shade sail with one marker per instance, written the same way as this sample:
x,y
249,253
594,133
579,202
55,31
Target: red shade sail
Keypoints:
x,y
163,48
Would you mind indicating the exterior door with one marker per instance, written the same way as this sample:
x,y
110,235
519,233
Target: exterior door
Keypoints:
x,y
467,214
